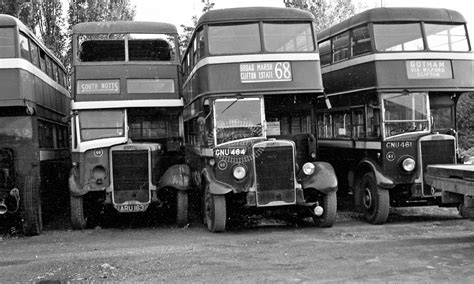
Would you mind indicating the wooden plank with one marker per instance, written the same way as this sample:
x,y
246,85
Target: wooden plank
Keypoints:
x,y
465,172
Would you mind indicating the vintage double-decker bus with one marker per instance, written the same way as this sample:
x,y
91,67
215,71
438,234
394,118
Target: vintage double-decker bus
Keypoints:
x,y
251,78
34,137
127,125
393,76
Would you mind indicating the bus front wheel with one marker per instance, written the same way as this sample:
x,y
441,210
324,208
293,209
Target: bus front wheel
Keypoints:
x,y
374,200
215,211
181,208
78,220
329,204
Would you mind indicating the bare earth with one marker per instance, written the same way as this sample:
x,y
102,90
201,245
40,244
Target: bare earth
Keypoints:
x,y
416,245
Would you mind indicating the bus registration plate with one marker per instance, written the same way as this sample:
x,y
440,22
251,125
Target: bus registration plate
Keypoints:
x,y
131,208
253,72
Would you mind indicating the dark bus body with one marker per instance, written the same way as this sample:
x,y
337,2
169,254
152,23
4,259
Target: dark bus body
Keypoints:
x,y
34,138
393,76
127,124
250,90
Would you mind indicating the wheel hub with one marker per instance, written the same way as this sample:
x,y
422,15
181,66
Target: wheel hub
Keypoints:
x,y
367,198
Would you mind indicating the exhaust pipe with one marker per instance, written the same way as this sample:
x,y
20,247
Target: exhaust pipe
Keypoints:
x,y
3,207
13,201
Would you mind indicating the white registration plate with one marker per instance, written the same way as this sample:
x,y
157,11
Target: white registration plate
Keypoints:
x,y
131,208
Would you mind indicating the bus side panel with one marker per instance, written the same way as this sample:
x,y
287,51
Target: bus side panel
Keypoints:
x,y
350,78
10,87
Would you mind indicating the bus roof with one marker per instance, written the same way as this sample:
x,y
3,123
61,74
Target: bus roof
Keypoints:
x,y
254,13
124,27
7,20
394,14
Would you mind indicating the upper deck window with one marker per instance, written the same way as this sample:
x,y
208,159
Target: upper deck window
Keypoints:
x,y
234,39
139,47
360,43
398,37
288,37
325,52
446,37
7,44
24,47
340,46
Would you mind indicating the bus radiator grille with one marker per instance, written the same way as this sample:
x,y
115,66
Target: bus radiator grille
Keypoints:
x,y
436,152
274,174
130,170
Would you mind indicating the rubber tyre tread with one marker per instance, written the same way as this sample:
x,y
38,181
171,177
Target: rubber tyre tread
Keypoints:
x,y
181,208
215,211
381,201
78,220
32,223
329,204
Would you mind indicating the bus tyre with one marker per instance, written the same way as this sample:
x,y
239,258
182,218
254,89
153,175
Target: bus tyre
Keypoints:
x,y
78,220
215,211
181,208
375,201
329,204
32,219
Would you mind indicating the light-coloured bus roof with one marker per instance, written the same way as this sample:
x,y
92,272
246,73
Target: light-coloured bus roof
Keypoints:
x,y
10,21
254,13
394,14
124,27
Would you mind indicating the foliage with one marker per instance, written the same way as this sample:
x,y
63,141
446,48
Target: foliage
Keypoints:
x,y
187,31
326,12
96,11
44,18
465,120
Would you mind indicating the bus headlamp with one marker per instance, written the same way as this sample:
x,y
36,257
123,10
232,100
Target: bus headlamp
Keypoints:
x,y
239,172
408,164
308,169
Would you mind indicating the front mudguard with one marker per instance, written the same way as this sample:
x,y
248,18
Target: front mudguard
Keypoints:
x,y
74,188
176,176
215,186
323,178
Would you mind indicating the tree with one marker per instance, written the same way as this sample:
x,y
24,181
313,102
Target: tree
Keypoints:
x,y
43,18
187,31
465,121
96,11
326,12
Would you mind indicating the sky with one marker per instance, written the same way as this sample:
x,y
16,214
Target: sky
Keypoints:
x,y
179,12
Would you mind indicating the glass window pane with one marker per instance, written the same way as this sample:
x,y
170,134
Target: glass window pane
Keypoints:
x,y
398,37
237,119
151,47
101,47
96,124
446,37
405,113
7,43
49,67
361,41
24,47
34,54
234,39
325,52
341,47
288,37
